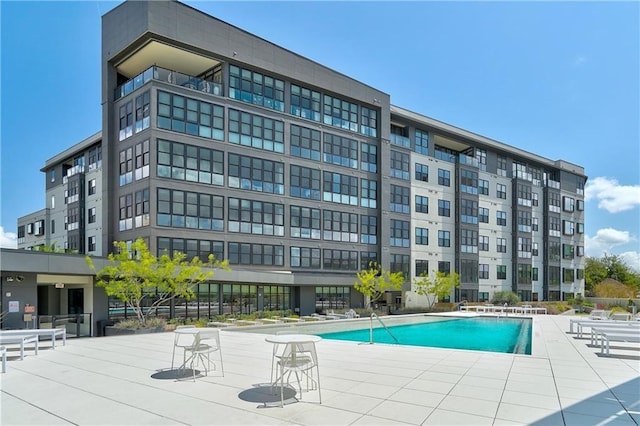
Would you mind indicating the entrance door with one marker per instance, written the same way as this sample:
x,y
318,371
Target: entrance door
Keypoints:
x,y
76,301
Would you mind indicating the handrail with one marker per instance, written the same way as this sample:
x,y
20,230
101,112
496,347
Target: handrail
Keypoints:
x,y
373,314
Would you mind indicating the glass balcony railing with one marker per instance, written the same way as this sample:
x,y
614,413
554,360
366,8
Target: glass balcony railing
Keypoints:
x,y
400,140
172,77
469,161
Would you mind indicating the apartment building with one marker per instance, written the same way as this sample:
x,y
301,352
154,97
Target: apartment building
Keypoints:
x,y
217,141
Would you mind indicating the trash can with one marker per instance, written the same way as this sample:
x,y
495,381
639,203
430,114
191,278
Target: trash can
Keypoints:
x,y
101,324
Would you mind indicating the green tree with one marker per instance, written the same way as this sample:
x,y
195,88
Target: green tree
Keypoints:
x,y
609,266
135,274
595,272
375,280
438,284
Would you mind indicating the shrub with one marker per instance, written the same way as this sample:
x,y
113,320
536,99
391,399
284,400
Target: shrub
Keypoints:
x,y
502,297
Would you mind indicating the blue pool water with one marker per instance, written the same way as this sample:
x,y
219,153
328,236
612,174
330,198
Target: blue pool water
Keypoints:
x,y
479,334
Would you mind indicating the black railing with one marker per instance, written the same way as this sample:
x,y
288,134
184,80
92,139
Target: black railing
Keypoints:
x,y
77,325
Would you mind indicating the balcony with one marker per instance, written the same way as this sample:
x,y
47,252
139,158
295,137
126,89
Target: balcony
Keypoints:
x,y
469,161
400,140
168,76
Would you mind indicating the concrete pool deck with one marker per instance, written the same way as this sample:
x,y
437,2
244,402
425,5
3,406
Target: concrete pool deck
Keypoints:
x,y
122,380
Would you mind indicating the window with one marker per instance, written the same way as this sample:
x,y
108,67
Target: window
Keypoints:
x,y
444,208
399,263
444,238
256,174
524,221
580,274
502,166
91,215
445,154
92,187
190,163
304,183
342,260
53,228
256,217
524,248
580,251
91,244
422,204
256,88
483,271
483,215
304,222
52,175
305,103
444,177
501,191
534,274
524,194
501,272
422,172
422,142
200,248
368,229
469,182
399,198
126,120
340,113
568,227
142,208
190,116
483,243
468,211
400,136
369,120
481,156
534,199
501,245
125,213
554,251
468,241
399,233
580,228
339,226
369,157
501,218
567,251
524,273
368,193
422,236
580,205
422,268
304,257
340,151
141,163
189,210
445,267
339,188
256,131
567,275
534,224
554,202
399,165
568,204
468,271
368,259
143,111
304,143
534,249
483,187
126,166
554,226
256,254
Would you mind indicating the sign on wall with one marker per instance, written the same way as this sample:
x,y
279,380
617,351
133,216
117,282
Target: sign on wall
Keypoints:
x,y
14,306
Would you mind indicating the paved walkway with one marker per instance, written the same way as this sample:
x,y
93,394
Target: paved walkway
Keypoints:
x,y
122,380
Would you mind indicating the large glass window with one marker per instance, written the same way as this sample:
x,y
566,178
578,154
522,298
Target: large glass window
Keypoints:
x,y
305,103
143,111
469,182
368,259
305,257
422,204
421,145
444,238
256,254
340,113
468,241
445,154
444,208
305,143
126,167
339,226
400,165
524,248
368,157
469,211
344,260
444,177
369,120
501,272
368,229
190,163
193,210
399,233
501,218
256,131
399,198
256,88
524,273
340,151
256,174
332,298
190,116
524,221
191,247
142,208
125,217
304,183
399,263
126,120
339,188
483,243
468,271
483,186
256,217
142,160
422,172
422,268
422,236
304,222
368,193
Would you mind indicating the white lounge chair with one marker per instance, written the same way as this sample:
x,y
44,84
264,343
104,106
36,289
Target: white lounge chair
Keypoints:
x,y
599,314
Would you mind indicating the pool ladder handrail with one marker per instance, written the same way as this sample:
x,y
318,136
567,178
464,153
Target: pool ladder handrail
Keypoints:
x,y
373,314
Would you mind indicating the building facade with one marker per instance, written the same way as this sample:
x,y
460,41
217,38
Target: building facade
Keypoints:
x,y
217,141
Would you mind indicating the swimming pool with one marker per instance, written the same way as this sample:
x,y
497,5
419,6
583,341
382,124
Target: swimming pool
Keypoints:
x,y
495,334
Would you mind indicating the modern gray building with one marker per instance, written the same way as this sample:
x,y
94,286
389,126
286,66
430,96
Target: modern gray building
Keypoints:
x,y
217,141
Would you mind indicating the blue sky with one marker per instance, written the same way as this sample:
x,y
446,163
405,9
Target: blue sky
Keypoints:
x,y
561,79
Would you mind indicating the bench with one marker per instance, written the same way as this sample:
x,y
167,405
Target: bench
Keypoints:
x,y
607,336
3,353
52,333
624,326
588,323
21,340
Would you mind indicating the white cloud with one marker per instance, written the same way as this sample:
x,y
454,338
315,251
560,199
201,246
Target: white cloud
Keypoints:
x,y
612,196
632,259
604,240
8,239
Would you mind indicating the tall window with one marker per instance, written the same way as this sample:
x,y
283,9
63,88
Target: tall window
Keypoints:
x,y
126,120
502,166
469,211
483,187
369,120
468,241
501,272
399,199
142,157
340,113
501,245
422,268
501,191
368,157
483,271
143,111
422,204
400,165
469,182
304,183
91,215
340,151
444,177
368,193
483,243
444,208
422,236
142,208
422,172
368,229
305,143
126,166
304,222
305,103
422,142
125,215
483,215
339,226
444,238
399,233
501,218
